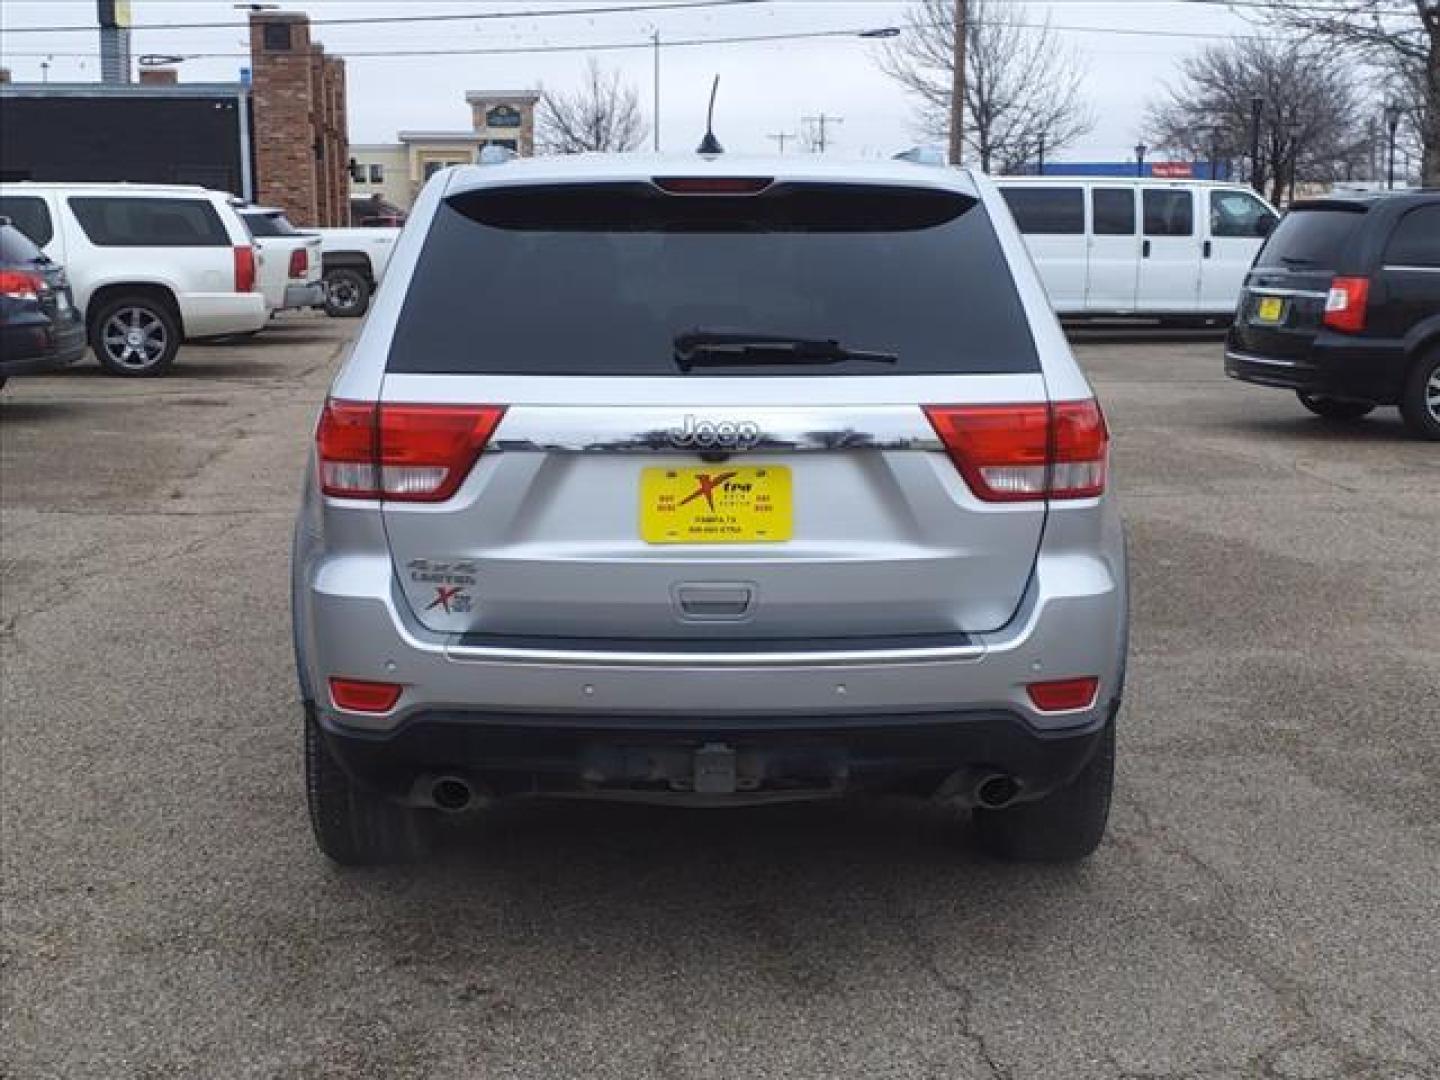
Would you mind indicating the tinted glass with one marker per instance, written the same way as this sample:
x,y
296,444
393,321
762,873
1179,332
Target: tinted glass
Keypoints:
x,y
1310,238
1416,239
269,225
600,279
149,222
1114,211
30,215
1052,211
16,248
1238,214
1169,213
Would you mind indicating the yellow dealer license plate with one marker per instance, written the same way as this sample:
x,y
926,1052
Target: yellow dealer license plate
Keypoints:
x,y
721,504
1271,309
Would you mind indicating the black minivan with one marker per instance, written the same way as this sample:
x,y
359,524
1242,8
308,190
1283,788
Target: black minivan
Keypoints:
x,y
1343,307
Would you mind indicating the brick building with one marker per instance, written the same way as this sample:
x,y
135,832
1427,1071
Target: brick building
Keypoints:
x,y
298,100
277,138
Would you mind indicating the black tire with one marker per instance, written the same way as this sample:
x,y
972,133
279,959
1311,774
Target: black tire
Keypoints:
x,y
135,336
353,826
1064,826
1420,402
1334,408
347,293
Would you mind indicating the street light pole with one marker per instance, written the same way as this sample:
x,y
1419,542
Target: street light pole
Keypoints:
x,y
655,105
1140,149
1257,103
1393,112
1041,170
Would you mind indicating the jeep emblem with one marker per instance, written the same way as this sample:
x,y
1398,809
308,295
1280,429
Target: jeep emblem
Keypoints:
x,y
715,434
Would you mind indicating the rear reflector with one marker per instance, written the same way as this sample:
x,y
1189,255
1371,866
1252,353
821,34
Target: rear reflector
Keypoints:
x,y
1063,695
713,185
244,269
299,263
1013,453
1345,304
358,695
406,453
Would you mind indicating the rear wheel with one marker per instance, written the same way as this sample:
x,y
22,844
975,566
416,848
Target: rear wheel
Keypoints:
x,y
353,826
1064,826
135,336
1334,408
1420,404
347,293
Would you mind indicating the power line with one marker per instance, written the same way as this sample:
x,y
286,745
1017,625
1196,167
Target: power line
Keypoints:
x,y
371,20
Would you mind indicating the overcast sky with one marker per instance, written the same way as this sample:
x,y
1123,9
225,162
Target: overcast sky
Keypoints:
x,y
765,87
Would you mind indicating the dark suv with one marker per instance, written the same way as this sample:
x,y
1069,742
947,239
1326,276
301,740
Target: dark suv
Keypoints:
x,y
40,327
1343,307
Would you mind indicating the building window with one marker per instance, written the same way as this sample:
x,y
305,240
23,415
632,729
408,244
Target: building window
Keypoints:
x,y
377,174
276,37
503,116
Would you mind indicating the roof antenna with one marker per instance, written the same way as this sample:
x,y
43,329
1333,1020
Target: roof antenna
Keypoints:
x,y
710,144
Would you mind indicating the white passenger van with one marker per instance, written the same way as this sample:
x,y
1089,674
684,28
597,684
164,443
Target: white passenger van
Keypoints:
x,y
1169,249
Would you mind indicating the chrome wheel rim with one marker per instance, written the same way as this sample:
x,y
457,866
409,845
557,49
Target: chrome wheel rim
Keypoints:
x,y
344,294
134,337
1432,395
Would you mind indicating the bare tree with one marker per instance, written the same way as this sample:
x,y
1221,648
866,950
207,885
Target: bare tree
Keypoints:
x,y
603,114
1399,39
1312,124
1022,88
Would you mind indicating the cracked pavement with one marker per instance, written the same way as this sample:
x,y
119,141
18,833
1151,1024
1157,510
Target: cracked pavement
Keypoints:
x,y
1267,903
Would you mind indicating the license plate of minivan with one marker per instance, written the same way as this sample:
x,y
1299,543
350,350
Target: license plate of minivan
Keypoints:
x,y
1270,309
721,504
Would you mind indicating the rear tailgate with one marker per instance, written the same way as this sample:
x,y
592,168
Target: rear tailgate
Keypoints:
x,y
1282,307
621,497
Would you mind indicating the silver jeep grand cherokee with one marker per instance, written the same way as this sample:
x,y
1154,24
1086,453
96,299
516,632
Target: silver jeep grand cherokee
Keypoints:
x,y
712,482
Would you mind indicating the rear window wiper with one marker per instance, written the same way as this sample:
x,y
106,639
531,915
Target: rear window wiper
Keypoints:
x,y
702,347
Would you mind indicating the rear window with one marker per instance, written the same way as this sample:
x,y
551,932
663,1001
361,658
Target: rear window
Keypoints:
x,y
30,215
1047,211
133,222
600,279
15,247
269,225
1310,238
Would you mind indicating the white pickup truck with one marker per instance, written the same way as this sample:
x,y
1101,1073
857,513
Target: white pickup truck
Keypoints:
x,y
288,273
354,262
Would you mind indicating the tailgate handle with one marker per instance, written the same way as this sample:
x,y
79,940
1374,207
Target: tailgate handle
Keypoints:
x,y
714,600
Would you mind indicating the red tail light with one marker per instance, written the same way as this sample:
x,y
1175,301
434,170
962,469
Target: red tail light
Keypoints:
x,y
21,285
1013,453
358,695
244,269
1345,304
1063,695
299,263
409,453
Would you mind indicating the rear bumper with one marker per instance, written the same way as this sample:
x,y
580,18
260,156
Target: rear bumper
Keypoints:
x,y
217,314
304,295
1334,366
655,757
34,349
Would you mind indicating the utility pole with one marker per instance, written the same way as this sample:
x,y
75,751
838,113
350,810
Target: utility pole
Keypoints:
x,y
821,139
655,106
957,87
780,137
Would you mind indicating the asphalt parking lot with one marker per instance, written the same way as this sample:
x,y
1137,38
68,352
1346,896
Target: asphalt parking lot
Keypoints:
x,y
1267,902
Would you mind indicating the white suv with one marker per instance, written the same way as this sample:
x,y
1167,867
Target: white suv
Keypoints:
x,y
150,265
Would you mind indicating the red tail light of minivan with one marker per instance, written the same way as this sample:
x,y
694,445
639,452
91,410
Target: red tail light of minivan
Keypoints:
x,y
402,453
244,268
1014,453
1345,304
